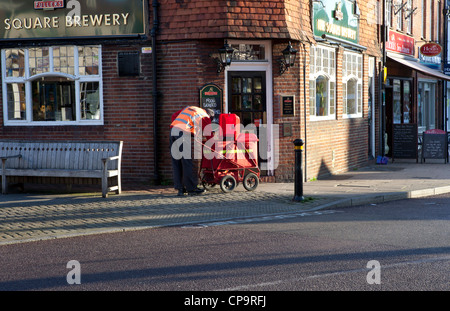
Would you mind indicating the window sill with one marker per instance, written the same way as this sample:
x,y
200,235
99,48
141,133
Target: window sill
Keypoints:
x,y
351,116
324,118
53,123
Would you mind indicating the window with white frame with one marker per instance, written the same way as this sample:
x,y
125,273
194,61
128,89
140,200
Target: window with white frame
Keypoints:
x,y
409,16
352,84
388,13
430,19
57,85
438,21
424,19
322,83
399,13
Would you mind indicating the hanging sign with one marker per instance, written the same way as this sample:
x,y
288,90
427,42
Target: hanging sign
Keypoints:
x,y
430,55
430,49
25,19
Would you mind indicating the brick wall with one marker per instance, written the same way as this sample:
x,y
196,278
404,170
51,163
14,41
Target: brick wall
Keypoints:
x,y
183,68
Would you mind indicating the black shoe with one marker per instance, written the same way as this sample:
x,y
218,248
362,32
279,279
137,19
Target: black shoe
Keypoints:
x,y
196,191
181,193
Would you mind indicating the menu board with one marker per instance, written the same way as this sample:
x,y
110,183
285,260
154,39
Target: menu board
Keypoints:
x,y
404,141
435,145
211,97
287,105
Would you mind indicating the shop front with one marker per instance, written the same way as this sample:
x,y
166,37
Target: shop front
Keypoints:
x,y
414,96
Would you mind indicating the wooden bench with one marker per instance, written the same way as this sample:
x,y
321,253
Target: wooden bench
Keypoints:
x,y
98,160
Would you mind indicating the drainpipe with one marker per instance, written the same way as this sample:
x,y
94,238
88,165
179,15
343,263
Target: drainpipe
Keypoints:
x,y
382,88
304,111
153,33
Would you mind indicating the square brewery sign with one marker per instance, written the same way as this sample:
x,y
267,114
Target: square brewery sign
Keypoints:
x,y
24,19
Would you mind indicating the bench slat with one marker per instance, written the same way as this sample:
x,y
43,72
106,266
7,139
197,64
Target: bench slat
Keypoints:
x,y
59,173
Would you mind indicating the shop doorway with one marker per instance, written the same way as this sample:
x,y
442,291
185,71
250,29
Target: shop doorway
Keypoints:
x,y
247,99
399,108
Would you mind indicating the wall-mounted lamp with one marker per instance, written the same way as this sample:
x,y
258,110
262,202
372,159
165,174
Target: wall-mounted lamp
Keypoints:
x,y
288,58
224,57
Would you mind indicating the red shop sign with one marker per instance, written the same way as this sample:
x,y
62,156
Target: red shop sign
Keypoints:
x,y
39,5
430,49
400,43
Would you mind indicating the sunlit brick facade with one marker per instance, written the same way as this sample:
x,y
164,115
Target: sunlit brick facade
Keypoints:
x,y
140,80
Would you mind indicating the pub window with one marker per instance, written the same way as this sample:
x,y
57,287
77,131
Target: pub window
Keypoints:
x,y
352,84
322,83
52,85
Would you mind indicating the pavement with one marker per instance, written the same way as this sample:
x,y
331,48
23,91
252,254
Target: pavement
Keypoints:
x,y
42,213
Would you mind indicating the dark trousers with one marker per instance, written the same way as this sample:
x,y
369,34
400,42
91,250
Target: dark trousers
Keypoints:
x,y
183,169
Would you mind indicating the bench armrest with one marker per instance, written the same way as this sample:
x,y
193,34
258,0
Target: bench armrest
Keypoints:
x,y
110,159
106,160
12,157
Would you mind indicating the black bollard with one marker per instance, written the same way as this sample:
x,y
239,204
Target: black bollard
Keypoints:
x,y
298,197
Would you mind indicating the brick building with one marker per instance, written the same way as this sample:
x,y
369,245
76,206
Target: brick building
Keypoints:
x,y
101,60
336,136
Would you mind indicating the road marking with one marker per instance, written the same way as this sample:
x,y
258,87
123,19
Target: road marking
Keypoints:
x,y
260,219
326,275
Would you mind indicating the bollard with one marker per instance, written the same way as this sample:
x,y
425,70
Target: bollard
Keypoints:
x,y
298,197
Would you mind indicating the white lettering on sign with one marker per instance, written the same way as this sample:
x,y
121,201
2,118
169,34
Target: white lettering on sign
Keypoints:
x,y
336,30
97,20
31,23
71,21
74,18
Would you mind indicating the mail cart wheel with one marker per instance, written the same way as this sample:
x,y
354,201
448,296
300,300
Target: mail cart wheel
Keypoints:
x,y
228,183
251,182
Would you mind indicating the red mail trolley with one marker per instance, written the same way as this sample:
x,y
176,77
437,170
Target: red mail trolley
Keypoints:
x,y
230,159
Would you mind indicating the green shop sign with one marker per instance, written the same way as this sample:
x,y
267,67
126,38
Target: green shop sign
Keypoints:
x,y
338,19
27,19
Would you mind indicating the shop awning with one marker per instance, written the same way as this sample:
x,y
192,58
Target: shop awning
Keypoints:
x,y
419,67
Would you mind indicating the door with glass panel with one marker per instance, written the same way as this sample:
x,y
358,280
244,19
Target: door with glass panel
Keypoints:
x,y
402,102
399,107
247,99
246,96
426,112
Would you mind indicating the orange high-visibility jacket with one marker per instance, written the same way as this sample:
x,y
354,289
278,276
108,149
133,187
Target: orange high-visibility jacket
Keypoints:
x,y
190,118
